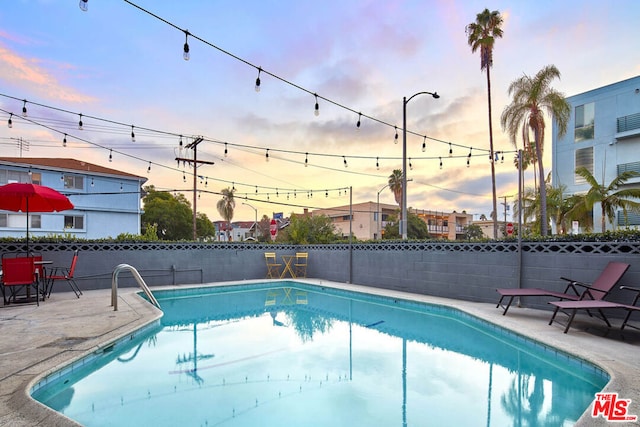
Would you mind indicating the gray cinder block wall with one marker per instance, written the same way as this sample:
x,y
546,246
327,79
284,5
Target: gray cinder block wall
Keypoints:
x,y
468,271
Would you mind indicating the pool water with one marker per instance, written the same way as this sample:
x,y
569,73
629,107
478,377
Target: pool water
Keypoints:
x,y
300,355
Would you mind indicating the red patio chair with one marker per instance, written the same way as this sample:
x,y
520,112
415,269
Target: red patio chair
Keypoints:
x,y
18,273
64,273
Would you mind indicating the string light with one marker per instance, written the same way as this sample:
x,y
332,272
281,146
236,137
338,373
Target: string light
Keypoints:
x,y
358,124
133,135
64,141
424,144
121,187
267,155
377,164
180,143
225,150
185,54
306,159
410,165
497,157
84,5
440,162
92,184
149,168
110,156
24,108
395,138
469,157
80,122
10,122
258,80
184,177
344,160
450,150
326,193
317,107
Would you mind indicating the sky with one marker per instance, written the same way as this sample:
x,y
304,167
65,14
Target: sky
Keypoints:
x,y
120,64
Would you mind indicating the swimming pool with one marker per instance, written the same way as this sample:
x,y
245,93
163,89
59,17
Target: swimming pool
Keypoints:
x,y
297,354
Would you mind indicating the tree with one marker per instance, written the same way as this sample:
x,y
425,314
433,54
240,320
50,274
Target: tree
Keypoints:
x,y
312,229
610,197
172,215
481,34
416,228
204,226
395,185
225,207
473,232
264,227
531,98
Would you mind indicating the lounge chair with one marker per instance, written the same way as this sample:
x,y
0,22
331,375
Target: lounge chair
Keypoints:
x,y
574,291
571,308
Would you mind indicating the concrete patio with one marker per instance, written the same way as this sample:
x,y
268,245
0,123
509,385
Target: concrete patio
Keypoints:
x,y
39,340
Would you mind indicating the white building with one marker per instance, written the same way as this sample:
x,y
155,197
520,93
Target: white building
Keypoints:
x,y
106,201
603,135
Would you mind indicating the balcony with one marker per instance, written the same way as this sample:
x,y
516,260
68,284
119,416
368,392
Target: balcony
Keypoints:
x,y
628,126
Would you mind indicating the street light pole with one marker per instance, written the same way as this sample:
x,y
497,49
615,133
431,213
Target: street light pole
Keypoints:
x,y
403,221
255,223
380,213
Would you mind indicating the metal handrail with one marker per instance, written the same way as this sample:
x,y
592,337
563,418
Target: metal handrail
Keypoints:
x,y
139,279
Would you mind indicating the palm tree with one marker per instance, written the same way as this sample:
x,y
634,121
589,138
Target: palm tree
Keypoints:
x,y
482,34
531,98
225,207
395,185
611,197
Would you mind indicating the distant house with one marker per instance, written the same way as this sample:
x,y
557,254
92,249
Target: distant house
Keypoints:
x,y
106,201
240,230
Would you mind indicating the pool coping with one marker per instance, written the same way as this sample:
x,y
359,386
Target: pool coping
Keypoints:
x,y
89,325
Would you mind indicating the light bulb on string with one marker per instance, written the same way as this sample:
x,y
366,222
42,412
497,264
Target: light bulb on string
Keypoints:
x,y
64,141
121,187
180,143
395,138
306,159
226,152
256,189
258,80
377,164
326,193
424,144
469,156
502,157
450,150
24,108
185,54
80,124
206,182
10,122
344,160
317,107
440,162
133,135
84,5
149,168
410,165
110,156
266,156
184,177
358,123
92,184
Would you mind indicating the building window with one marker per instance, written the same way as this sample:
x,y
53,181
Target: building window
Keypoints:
x,y
585,118
75,222
630,219
584,158
74,182
9,176
3,220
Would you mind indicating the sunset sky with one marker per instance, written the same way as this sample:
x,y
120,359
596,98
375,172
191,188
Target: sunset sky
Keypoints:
x,y
120,66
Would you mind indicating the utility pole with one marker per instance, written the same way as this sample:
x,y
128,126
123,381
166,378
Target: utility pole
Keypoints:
x,y
196,162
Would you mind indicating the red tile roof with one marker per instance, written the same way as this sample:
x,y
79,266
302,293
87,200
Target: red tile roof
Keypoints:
x,y
67,164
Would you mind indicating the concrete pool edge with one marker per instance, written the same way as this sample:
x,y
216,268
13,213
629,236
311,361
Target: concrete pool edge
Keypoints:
x,y
615,359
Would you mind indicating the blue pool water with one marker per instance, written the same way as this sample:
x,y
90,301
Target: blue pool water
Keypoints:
x,y
299,355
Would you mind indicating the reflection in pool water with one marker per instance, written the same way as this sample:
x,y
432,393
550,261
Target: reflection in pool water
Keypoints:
x,y
303,355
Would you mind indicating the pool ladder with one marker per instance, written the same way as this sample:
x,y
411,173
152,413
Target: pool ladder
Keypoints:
x,y
139,279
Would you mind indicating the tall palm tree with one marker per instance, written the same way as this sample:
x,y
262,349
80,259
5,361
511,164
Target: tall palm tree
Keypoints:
x,y
611,197
532,97
225,207
481,34
395,185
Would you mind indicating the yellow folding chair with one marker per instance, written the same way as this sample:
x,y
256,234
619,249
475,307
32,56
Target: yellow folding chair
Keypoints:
x,y
273,268
301,264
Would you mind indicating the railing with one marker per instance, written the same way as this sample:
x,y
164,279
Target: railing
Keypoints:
x,y
139,279
629,122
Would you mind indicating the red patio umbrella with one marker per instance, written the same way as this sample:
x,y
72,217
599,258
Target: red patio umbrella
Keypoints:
x,y
22,197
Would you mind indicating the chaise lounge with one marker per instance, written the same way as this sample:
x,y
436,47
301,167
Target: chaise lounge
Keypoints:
x,y
575,290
